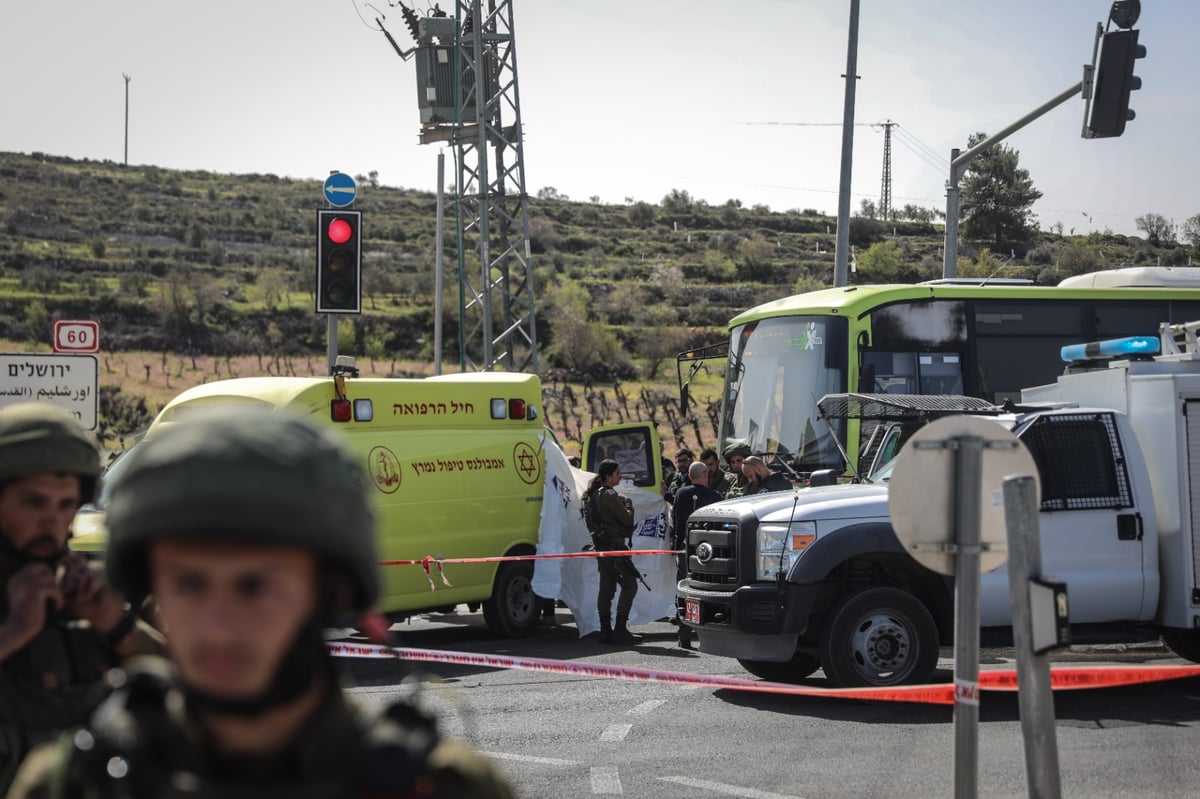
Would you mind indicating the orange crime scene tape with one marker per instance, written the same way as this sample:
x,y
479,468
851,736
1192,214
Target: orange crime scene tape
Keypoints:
x,y
1064,678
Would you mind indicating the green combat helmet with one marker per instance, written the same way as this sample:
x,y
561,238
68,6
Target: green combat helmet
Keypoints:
x,y
257,478
736,450
37,437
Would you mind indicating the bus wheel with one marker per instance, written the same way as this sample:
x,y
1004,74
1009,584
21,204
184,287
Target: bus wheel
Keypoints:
x,y
880,636
512,609
796,669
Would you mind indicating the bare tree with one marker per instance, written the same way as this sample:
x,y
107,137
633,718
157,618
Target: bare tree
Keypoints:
x,y
1158,229
1191,231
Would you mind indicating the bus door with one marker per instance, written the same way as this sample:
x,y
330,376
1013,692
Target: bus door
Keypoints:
x,y
911,372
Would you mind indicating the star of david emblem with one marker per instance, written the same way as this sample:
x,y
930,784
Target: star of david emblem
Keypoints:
x,y
525,459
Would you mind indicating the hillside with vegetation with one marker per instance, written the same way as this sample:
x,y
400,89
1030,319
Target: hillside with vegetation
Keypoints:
x,y
186,268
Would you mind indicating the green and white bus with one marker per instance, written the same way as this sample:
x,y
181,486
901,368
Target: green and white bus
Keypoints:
x,y
985,339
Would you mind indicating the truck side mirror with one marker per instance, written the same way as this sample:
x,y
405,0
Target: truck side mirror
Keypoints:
x,y
684,399
823,477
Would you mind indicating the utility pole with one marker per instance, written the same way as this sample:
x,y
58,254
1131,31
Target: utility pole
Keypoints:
x,y
841,259
468,96
127,79
885,193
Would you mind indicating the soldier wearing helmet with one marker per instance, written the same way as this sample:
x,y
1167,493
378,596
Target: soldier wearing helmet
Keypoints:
x,y
735,456
253,533
60,627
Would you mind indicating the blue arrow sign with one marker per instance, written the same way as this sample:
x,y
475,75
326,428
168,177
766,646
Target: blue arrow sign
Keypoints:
x,y
340,189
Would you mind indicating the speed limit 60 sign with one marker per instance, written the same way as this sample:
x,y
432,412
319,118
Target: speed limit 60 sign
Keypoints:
x,y
82,335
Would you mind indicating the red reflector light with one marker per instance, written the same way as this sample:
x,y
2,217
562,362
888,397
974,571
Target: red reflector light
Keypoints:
x,y
340,231
516,409
340,410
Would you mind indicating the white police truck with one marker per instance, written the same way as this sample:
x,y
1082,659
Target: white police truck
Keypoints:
x,y
789,582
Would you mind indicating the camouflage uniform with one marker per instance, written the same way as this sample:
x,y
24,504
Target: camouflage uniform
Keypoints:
x,y
614,520
45,686
728,485
723,483
262,479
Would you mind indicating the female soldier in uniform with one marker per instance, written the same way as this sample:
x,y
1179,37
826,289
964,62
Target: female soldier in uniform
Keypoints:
x,y
611,525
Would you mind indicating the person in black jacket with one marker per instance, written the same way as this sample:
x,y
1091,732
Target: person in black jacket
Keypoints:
x,y
762,479
683,461
690,497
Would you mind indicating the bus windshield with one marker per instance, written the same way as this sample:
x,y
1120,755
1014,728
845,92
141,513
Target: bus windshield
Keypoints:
x,y
778,369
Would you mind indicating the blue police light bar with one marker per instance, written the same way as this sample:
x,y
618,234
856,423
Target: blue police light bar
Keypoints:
x,y
1134,345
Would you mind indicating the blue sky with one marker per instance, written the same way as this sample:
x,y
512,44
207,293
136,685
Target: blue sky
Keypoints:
x,y
621,98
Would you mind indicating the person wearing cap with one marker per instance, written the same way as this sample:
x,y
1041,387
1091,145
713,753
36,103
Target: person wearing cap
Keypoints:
x,y
736,456
253,532
61,628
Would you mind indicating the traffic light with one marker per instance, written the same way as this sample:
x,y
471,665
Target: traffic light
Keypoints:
x,y
1114,81
339,261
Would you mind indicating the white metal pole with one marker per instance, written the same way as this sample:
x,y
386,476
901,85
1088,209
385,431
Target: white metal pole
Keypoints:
x,y
1035,695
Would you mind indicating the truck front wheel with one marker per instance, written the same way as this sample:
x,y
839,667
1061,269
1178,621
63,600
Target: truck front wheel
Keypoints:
x,y
800,666
512,609
879,636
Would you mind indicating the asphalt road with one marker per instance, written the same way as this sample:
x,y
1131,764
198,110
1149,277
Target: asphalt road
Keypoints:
x,y
574,736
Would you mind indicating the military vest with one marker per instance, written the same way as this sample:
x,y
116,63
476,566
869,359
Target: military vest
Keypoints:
x,y
141,742
49,685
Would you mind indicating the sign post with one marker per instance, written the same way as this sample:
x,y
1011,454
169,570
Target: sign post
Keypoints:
x,y
67,381
76,336
340,191
1035,694
935,500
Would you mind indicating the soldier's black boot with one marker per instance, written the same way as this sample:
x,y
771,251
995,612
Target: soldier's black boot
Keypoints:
x,y
606,631
620,635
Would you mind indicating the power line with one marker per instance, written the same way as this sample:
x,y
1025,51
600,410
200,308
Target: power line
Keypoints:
x,y
941,168
811,124
905,132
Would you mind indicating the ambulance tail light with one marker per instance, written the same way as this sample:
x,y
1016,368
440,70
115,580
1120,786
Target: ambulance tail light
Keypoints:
x,y
499,408
516,409
341,410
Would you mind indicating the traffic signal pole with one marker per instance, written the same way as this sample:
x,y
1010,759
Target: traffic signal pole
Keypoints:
x,y
331,336
959,162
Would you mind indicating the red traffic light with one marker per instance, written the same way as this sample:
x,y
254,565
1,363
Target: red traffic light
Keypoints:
x,y
339,231
339,261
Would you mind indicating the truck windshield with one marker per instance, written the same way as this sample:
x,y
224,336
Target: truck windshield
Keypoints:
x,y
778,369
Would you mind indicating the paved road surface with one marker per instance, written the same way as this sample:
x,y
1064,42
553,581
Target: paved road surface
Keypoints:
x,y
570,736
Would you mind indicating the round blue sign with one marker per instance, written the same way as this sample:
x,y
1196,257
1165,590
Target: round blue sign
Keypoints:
x,y
340,189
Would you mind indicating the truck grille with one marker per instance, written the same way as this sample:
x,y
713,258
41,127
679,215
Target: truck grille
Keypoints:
x,y
712,551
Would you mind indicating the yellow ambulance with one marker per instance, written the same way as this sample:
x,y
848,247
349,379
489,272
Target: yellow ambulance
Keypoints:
x,y
457,467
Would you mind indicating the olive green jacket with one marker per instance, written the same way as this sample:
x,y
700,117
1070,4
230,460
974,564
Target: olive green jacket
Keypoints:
x,y
341,751
615,514
48,685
